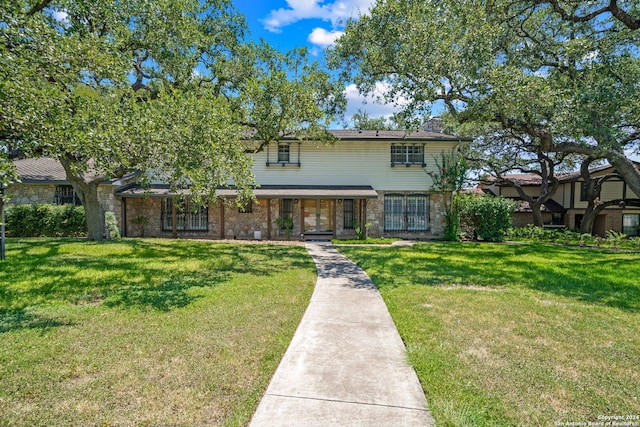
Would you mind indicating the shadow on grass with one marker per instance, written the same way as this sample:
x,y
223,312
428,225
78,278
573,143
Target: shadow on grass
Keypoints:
x,y
22,319
594,276
154,274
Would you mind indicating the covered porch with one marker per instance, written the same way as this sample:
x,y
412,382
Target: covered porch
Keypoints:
x,y
279,212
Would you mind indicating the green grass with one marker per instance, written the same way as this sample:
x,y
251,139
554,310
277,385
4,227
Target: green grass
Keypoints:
x,y
369,241
523,334
144,332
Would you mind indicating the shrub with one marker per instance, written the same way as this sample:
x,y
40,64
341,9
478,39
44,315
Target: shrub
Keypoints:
x,y
489,218
45,221
112,225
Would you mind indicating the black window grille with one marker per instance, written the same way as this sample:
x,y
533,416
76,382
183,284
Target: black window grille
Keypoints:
x,y
66,196
406,212
348,214
286,212
189,216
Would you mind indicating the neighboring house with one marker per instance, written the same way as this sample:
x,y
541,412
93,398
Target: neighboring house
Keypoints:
x,y
375,179
569,203
43,181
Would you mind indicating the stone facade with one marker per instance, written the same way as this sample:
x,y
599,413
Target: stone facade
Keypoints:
x,y
31,194
225,221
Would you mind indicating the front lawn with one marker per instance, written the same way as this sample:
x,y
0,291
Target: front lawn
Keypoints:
x,y
144,332
521,334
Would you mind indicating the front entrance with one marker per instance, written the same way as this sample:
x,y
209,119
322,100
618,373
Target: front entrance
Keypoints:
x,y
318,215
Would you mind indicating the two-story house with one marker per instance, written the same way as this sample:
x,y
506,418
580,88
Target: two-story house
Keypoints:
x,y
372,179
569,203
307,190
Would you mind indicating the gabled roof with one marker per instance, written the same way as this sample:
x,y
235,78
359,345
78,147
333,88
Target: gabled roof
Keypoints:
x,y
45,170
40,170
530,179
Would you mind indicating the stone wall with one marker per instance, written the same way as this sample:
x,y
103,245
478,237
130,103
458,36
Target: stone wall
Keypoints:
x,y
375,217
250,225
31,194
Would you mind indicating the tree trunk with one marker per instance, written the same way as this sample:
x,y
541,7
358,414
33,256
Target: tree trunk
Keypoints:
x,y
536,210
627,169
93,212
87,190
589,219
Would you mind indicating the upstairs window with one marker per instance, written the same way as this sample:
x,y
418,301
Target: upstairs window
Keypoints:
x,y
407,154
284,153
66,196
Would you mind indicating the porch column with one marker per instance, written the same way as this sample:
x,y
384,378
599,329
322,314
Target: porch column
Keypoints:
x,y
174,219
334,202
268,219
301,207
221,201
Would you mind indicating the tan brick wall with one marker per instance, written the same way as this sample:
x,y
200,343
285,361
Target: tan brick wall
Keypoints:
x,y
30,194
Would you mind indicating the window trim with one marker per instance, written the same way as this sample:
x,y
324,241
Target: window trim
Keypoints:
x,y
407,154
636,227
282,161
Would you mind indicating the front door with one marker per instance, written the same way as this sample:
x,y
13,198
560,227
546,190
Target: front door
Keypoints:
x,y
318,215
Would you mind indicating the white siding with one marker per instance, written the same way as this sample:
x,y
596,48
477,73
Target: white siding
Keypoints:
x,y
348,163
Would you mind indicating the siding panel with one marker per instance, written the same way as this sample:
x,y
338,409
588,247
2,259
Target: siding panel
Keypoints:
x,y
349,163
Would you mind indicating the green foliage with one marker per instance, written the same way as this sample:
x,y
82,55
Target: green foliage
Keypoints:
x,y
558,85
614,239
45,220
286,224
112,225
361,229
167,88
488,217
450,173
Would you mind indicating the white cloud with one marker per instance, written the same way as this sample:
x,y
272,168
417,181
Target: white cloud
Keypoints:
x,y
323,38
335,12
370,102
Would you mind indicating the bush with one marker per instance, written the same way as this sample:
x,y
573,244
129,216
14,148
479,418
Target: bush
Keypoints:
x,y
488,218
45,221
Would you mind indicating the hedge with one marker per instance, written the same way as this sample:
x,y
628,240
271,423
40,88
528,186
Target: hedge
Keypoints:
x,y
45,221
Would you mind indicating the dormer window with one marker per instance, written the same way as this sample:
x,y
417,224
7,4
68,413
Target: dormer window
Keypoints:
x,y
407,154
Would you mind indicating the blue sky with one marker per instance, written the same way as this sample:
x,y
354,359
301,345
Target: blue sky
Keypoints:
x,y
314,24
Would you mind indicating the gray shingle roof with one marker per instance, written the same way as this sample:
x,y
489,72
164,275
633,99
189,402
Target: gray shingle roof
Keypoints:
x,y
42,169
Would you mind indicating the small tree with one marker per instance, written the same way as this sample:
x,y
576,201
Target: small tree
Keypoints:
x,y
449,178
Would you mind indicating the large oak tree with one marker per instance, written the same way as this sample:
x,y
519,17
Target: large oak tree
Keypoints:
x,y
565,74
165,88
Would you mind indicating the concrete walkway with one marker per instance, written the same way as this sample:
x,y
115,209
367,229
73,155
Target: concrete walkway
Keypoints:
x,y
346,364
